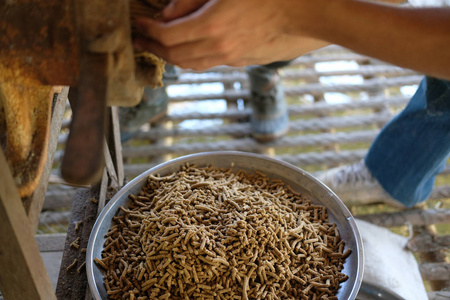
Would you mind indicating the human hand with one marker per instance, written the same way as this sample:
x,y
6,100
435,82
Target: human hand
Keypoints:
x,y
180,8
232,32
240,32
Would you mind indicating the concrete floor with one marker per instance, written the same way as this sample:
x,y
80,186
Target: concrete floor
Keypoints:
x,y
52,261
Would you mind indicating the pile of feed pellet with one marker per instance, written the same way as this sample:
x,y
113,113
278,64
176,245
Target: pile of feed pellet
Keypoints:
x,y
208,233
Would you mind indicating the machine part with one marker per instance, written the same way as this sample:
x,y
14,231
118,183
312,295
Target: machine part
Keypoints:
x,y
85,44
87,127
25,119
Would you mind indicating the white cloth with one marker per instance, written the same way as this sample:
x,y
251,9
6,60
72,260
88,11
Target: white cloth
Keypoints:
x,y
389,264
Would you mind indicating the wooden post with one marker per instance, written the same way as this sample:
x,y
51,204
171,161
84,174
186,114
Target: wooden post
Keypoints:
x,y
22,271
437,283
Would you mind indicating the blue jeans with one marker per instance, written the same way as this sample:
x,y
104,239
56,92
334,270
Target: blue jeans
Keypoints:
x,y
414,146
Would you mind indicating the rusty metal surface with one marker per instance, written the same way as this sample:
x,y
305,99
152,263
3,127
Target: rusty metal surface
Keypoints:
x,y
34,203
110,34
83,157
25,119
85,44
39,38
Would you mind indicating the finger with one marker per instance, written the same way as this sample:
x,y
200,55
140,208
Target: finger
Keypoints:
x,y
179,31
180,8
216,60
176,55
203,63
187,51
144,44
209,59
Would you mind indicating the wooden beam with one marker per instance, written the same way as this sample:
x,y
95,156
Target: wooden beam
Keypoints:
x,y
116,144
109,166
441,295
435,271
22,270
103,192
428,243
434,265
421,217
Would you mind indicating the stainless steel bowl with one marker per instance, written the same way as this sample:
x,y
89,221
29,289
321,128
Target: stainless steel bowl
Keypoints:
x,y
298,179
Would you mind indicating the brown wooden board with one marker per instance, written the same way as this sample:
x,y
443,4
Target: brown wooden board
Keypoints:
x,y
22,271
72,280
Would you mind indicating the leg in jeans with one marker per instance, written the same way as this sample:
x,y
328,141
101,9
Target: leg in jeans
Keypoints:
x,y
404,159
412,149
269,118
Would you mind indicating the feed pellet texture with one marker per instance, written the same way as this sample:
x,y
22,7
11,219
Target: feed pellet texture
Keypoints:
x,y
209,233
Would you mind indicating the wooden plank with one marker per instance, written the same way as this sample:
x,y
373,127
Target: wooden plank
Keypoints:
x,y
295,74
116,145
434,265
22,270
294,110
305,59
440,295
109,166
243,129
412,216
103,191
429,243
435,271
250,145
33,205
72,280
313,89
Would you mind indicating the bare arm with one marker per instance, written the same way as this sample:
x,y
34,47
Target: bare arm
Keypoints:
x,y
218,32
415,38
224,32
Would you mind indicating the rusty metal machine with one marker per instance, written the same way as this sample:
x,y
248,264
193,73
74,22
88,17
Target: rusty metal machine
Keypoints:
x,y
84,44
51,50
